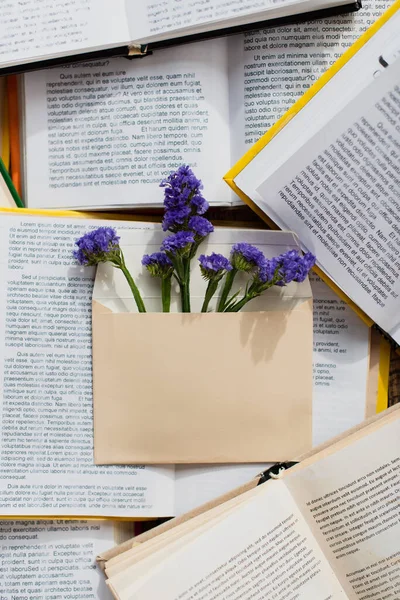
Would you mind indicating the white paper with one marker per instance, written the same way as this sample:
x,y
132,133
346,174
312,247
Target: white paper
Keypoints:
x,y
350,499
106,133
165,19
196,485
359,249
340,364
45,372
272,68
35,29
44,560
263,547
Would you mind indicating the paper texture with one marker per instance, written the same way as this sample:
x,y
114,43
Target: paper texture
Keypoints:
x,y
212,378
46,560
164,411
6,200
332,491
126,124
116,553
46,465
317,187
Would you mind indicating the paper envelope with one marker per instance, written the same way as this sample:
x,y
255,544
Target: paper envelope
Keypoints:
x,y
200,388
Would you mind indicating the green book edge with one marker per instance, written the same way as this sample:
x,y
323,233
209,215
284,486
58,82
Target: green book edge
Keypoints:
x,y
6,176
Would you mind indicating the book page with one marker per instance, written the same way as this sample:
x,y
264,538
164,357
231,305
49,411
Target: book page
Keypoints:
x,y
106,133
165,19
272,68
33,29
46,416
44,560
340,364
350,498
6,200
353,162
326,166
262,547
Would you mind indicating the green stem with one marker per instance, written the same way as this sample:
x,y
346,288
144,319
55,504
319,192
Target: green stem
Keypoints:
x,y
132,285
166,294
210,291
185,286
185,297
229,279
239,305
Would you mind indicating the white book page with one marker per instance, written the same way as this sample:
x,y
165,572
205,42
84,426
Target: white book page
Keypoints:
x,y
269,69
46,415
43,560
165,19
348,176
352,78
351,501
33,30
104,134
196,485
340,364
263,547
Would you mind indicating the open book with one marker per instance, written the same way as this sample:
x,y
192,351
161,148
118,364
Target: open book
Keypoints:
x,y
327,529
53,32
330,171
56,559
104,133
46,463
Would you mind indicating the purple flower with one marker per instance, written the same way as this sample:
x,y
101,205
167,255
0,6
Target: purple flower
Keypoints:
x,y
292,266
248,258
181,187
200,226
199,204
266,271
175,217
158,264
99,245
213,265
177,242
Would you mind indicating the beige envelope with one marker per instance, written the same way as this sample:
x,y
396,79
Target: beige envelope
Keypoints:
x,y
202,388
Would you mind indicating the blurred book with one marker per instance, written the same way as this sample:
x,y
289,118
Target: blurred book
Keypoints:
x,y
34,37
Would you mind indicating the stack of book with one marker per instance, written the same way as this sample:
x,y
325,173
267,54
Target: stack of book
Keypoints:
x,y
99,134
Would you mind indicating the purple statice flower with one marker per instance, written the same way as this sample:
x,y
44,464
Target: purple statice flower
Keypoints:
x,y
177,242
292,266
158,264
200,226
180,187
248,258
267,270
199,204
99,245
214,265
174,218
